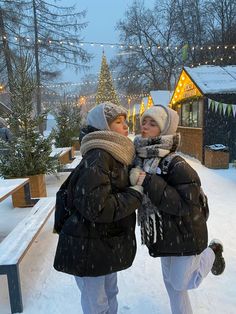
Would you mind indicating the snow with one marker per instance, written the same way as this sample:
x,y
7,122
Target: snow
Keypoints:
x,y
46,291
59,151
73,164
17,241
9,185
161,97
214,79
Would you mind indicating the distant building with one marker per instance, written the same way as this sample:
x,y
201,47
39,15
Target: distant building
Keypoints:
x,y
205,98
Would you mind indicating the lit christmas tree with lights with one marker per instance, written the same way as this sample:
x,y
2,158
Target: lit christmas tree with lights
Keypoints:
x,y
106,90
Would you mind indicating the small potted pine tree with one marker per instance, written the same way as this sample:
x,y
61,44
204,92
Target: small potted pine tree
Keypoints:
x,y
28,153
68,123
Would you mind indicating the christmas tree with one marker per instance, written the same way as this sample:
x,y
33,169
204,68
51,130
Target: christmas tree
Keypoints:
x,y
68,119
28,153
106,90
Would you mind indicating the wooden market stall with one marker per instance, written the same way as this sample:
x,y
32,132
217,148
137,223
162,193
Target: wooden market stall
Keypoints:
x,y
205,98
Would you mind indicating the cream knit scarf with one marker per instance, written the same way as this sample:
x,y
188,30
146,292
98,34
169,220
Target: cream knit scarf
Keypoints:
x,y
119,146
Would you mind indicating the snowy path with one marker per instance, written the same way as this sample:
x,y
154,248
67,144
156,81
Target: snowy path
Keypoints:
x,y
46,291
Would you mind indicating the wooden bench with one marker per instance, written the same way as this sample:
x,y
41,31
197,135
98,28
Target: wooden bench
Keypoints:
x,y
64,154
71,166
15,188
16,244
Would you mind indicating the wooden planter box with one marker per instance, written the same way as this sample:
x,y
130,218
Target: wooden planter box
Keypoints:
x,y
76,145
37,189
65,157
73,151
216,159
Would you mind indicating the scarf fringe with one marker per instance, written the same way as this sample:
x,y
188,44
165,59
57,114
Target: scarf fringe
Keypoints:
x,y
149,153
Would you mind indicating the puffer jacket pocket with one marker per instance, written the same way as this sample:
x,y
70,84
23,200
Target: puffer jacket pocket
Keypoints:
x,y
71,255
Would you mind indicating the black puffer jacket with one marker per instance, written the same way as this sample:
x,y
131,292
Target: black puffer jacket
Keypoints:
x,y
99,238
183,223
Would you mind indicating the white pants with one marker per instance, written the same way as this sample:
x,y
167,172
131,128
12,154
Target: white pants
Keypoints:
x,y
98,294
181,273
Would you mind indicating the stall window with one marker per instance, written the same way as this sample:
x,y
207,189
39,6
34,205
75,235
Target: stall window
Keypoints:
x,y
191,114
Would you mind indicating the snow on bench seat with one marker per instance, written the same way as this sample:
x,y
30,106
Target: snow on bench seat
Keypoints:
x,y
15,245
71,166
64,154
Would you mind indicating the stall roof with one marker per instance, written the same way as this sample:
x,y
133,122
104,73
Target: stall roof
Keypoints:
x,y
214,79
161,97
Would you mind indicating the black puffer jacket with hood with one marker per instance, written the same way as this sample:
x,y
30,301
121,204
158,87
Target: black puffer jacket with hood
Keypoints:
x,y
99,237
183,220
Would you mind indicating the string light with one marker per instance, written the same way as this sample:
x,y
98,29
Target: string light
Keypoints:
x,y
122,45
66,84
212,61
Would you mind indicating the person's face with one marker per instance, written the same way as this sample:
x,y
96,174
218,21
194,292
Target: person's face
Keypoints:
x,y
149,128
119,125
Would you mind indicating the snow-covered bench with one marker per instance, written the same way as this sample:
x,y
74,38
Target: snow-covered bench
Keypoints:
x,y
71,166
64,154
19,190
16,244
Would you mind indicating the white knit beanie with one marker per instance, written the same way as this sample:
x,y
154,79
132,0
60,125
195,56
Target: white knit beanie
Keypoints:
x,y
103,114
166,118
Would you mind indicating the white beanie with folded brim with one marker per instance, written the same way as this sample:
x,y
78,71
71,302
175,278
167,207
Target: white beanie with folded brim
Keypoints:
x,y
166,118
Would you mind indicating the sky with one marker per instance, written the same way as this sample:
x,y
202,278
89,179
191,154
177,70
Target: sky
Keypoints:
x,y
102,16
141,288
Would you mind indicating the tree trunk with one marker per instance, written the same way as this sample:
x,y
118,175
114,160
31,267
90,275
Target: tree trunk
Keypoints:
x,y
6,51
36,54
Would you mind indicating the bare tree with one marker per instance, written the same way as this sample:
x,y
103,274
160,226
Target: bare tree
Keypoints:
x,y
158,42
221,29
88,85
153,56
221,26
56,38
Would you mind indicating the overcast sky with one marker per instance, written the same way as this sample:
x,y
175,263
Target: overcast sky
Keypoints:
x,y
102,16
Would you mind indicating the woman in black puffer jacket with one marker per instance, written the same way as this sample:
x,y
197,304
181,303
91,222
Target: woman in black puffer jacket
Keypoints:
x,y
98,240
172,219
183,223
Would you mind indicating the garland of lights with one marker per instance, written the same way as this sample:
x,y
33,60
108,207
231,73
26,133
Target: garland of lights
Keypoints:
x,y
129,97
61,85
122,45
213,61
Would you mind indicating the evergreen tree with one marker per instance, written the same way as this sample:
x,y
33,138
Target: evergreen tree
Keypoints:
x,y
28,153
68,119
106,90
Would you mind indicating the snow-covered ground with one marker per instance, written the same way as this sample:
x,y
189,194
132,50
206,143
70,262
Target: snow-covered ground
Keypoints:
x,y
46,291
